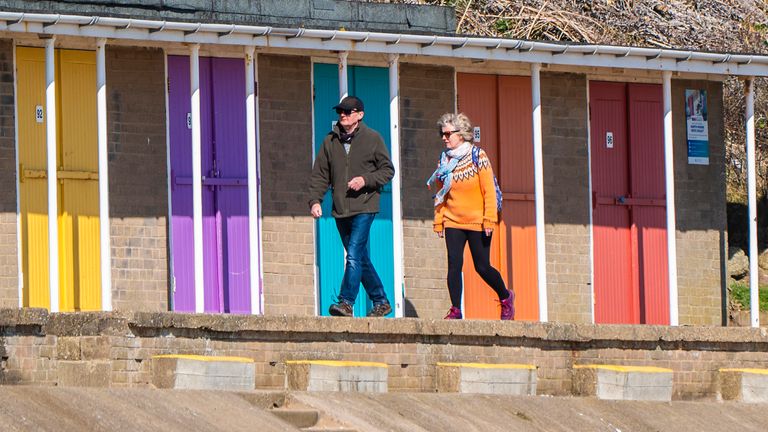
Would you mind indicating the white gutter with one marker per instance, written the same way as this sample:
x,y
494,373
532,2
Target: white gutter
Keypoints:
x,y
669,186
101,116
52,170
754,303
392,43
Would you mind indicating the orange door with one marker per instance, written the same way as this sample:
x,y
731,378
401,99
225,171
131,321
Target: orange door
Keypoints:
x,y
501,107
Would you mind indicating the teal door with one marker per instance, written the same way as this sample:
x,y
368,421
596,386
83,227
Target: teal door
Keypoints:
x,y
371,84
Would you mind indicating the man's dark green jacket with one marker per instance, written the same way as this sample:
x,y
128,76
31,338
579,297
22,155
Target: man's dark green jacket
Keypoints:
x,y
368,157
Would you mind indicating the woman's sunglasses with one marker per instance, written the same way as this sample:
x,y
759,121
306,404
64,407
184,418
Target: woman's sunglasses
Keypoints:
x,y
340,111
448,133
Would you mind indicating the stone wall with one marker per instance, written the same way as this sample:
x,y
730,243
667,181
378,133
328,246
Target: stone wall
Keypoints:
x,y
329,14
566,196
426,92
700,205
44,349
138,185
285,116
9,258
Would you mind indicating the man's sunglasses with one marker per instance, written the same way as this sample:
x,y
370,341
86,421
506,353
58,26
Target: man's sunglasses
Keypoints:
x,y
345,111
448,133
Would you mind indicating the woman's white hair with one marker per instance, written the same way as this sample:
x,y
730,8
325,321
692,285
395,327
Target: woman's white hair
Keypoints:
x,y
457,121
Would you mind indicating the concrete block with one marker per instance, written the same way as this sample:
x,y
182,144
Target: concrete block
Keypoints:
x,y
340,376
616,382
511,379
743,385
83,374
203,372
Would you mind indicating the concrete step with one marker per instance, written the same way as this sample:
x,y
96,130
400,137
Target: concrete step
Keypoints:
x,y
617,382
487,378
301,418
196,372
743,385
333,375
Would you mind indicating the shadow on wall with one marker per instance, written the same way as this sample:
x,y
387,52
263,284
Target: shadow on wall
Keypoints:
x,y
137,133
738,226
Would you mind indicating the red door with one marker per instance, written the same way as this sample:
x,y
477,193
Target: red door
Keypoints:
x,y
501,107
629,206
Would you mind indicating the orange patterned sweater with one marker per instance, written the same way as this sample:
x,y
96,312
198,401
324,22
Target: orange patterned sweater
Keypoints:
x,y
471,202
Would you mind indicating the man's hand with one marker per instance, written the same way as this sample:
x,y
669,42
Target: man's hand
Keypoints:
x,y
316,210
356,183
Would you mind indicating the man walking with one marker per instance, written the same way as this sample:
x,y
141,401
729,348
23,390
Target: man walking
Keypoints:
x,y
354,162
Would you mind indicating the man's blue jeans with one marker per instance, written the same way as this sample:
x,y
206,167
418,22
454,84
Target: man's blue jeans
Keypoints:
x,y
355,233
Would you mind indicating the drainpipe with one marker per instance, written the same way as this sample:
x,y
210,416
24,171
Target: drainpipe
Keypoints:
x,y
669,176
252,117
343,80
538,179
51,146
101,114
754,302
197,178
397,217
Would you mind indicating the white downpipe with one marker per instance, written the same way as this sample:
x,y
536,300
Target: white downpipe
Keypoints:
x,y
101,114
19,256
343,79
669,176
197,178
253,185
259,211
538,170
397,216
52,180
754,301
168,188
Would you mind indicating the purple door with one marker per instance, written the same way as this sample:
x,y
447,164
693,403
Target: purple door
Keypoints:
x,y
225,187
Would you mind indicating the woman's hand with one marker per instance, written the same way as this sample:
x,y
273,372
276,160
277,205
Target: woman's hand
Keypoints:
x,y
441,233
488,232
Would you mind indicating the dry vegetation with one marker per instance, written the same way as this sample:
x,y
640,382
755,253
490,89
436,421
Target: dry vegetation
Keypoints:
x,y
712,25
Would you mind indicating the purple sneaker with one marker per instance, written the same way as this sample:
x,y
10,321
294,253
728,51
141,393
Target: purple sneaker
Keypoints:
x,y
508,307
453,313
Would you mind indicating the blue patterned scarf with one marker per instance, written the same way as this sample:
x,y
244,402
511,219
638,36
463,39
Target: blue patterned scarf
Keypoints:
x,y
448,161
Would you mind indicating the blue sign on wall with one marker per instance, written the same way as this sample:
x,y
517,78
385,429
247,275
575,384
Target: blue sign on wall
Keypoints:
x,y
697,130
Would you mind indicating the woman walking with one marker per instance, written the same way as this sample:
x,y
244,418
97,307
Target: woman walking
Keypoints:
x,y
466,211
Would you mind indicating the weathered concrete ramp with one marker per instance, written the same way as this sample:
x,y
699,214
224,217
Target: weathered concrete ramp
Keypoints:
x,y
416,412
28,408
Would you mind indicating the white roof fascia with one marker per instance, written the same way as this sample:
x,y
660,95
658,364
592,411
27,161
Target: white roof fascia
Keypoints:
x,y
388,43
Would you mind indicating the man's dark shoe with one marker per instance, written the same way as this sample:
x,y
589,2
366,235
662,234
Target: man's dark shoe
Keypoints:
x,y
342,309
379,310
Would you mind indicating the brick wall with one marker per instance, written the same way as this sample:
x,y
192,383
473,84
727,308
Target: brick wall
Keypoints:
x,y
701,212
138,202
285,117
426,92
9,261
41,348
566,196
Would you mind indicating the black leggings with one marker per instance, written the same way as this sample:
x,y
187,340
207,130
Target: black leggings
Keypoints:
x,y
480,247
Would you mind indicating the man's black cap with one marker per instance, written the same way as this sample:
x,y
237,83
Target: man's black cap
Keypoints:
x,y
350,103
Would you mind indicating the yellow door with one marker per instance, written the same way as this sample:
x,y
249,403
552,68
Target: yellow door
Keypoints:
x,y
33,195
80,284
78,199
